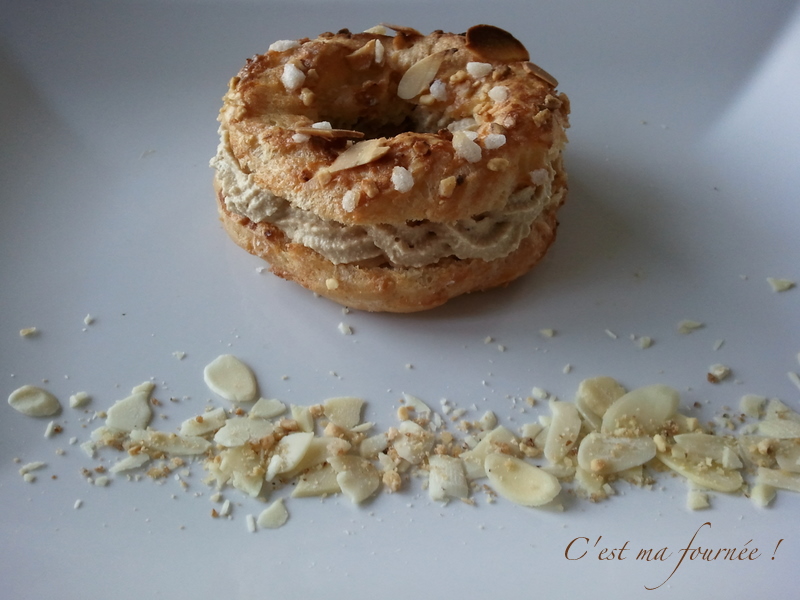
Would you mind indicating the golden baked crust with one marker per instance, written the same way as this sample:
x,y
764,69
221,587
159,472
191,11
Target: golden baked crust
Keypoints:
x,y
262,116
382,287
452,143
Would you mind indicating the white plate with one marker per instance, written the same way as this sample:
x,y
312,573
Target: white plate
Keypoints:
x,y
683,165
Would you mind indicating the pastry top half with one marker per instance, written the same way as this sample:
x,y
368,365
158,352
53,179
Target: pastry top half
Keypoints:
x,y
394,150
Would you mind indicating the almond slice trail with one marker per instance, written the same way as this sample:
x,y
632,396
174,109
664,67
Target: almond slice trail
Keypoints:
x,y
360,153
419,76
495,44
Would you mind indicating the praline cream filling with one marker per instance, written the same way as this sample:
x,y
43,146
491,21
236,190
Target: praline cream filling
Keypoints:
x,y
492,235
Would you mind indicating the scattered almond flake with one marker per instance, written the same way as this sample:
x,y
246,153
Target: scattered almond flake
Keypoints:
x,y
230,378
208,422
752,405
567,368
225,509
547,332
238,431
267,408
697,500
292,77
133,412
488,339
479,70
501,348
538,393
102,481
611,334
465,147
283,45
51,429
780,285
79,400
499,93
34,401
402,179
688,326
274,516
31,466
88,320
28,332
357,477
332,283
29,478
130,462
717,373
493,141
250,521
78,504
762,494
419,76
447,479
794,378
539,176
350,200
345,329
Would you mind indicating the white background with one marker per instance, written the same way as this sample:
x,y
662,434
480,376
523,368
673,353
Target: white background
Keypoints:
x,y
683,163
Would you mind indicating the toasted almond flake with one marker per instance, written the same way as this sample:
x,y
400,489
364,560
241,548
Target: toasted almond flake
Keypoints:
x,y
492,43
539,72
360,153
780,285
230,378
363,57
292,78
377,30
402,179
329,133
34,401
688,326
419,76
478,70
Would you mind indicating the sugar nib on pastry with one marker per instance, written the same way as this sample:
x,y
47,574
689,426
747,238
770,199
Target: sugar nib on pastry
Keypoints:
x,y
390,170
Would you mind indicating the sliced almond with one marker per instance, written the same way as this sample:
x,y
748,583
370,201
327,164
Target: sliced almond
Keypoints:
x,y
239,467
205,423
780,429
709,476
133,412
34,401
288,453
520,482
402,29
274,516
447,478
717,448
358,154
319,482
642,411
778,479
778,410
496,439
419,76
267,408
319,451
413,442
357,477
170,443
787,454
344,411
130,462
330,133
595,395
364,57
539,72
562,432
229,377
603,454
241,430
492,43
